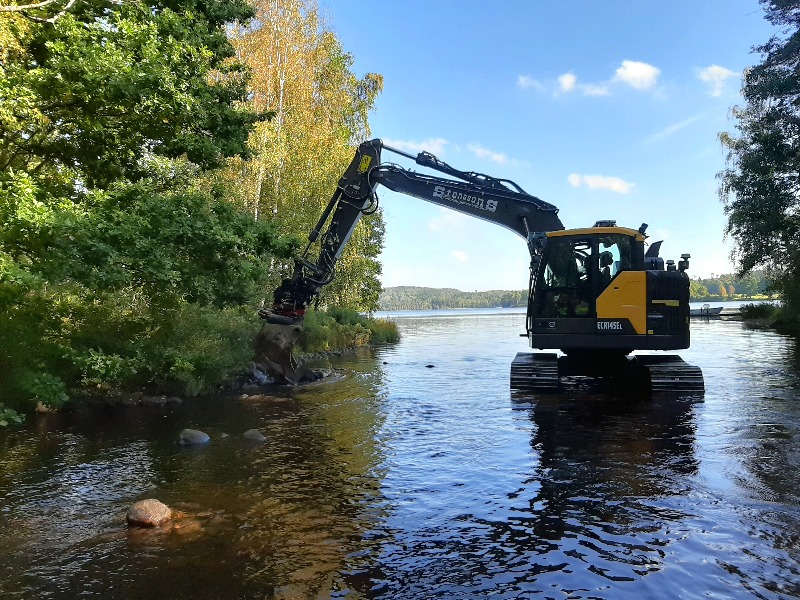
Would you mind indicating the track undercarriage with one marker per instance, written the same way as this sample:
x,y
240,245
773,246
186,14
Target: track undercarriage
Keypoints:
x,y
545,371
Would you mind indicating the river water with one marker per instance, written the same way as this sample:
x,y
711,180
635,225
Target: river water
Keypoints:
x,y
414,473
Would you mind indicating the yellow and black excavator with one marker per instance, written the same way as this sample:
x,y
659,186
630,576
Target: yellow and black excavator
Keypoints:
x,y
596,294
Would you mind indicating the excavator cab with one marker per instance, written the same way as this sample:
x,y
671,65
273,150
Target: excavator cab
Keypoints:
x,y
577,266
591,291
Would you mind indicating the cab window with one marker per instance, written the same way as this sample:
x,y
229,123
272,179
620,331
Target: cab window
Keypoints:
x,y
564,286
615,254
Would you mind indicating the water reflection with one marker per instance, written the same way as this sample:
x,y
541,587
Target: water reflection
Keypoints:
x,y
605,465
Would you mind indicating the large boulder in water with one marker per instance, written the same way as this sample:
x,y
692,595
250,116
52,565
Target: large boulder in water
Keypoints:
x,y
189,437
148,513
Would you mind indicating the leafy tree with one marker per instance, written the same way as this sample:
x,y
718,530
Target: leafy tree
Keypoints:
x,y
110,253
760,185
109,83
697,289
301,72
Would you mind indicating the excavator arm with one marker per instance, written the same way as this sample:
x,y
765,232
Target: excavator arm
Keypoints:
x,y
498,201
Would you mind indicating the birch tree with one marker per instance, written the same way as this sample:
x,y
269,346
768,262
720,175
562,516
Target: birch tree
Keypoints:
x,y
301,74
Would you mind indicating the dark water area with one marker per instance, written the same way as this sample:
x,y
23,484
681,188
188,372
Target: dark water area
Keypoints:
x,y
415,473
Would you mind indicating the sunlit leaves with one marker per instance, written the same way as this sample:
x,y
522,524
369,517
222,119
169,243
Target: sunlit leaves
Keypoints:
x,y
108,116
108,83
301,73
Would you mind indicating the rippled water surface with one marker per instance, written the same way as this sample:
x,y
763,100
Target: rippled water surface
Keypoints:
x,y
414,473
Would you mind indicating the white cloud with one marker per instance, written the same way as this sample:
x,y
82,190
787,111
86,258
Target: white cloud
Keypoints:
x,y
638,75
566,82
595,182
433,145
591,89
460,256
715,76
672,129
526,81
482,152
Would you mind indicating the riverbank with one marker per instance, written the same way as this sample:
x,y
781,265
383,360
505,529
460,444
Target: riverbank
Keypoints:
x,y
210,359
771,316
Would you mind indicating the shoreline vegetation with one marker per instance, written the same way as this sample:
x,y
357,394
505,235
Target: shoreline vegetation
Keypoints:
x,y
771,316
217,359
338,329
147,206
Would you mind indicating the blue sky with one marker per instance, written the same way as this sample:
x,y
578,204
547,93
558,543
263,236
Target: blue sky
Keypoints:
x,y
607,109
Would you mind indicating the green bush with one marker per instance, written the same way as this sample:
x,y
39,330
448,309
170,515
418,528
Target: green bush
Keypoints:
x,y
384,331
48,389
758,311
9,415
197,350
347,316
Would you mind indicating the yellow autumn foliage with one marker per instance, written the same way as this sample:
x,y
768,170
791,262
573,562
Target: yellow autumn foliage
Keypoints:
x,y
303,76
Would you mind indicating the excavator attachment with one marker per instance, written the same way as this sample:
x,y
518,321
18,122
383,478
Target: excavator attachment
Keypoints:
x,y
274,345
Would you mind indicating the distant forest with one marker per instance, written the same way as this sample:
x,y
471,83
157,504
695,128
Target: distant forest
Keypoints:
x,y
716,287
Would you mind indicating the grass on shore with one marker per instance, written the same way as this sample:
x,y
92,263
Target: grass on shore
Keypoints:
x,y
340,328
191,353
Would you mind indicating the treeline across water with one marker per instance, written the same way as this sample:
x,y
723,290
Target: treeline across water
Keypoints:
x,y
714,288
425,298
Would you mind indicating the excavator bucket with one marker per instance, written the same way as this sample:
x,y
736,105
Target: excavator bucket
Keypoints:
x,y
274,345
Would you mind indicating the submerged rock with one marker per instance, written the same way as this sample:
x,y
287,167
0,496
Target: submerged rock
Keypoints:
x,y
193,437
254,435
314,375
153,400
148,513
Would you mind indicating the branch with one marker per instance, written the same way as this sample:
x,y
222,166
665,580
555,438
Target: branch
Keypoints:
x,y
20,8
36,6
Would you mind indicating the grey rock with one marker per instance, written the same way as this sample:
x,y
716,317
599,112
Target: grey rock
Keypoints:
x,y
193,437
254,435
258,375
153,400
148,513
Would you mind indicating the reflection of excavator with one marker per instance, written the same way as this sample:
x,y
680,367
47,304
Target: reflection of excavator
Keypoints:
x,y
595,294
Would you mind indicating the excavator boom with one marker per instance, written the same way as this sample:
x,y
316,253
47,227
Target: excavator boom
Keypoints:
x,y
498,201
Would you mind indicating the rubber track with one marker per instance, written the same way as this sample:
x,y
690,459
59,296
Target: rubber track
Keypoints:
x,y
534,371
672,374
